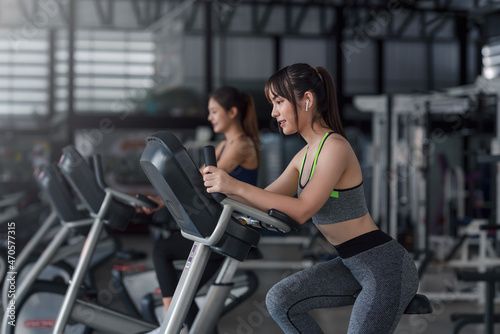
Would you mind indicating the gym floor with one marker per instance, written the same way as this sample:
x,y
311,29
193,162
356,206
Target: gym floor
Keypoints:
x,y
252,317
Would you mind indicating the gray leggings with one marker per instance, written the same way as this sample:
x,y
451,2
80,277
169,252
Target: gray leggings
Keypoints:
x,y
384,278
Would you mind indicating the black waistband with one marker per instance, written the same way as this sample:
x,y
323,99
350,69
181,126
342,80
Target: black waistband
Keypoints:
x,y
362,243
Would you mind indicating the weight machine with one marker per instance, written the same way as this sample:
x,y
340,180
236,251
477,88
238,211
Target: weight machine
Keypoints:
x,y
403,144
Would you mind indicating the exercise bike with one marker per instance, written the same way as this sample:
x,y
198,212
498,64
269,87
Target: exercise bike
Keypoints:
x,y
106,206
41,282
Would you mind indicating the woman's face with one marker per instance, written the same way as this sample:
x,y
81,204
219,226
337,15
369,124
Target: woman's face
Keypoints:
x,y
218,116
284,113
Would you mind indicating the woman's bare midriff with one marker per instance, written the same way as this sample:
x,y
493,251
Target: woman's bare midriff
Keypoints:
x,y
339,233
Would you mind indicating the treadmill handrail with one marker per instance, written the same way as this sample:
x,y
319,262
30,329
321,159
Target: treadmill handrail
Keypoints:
x,y
229,206
258,214
126,198
79,223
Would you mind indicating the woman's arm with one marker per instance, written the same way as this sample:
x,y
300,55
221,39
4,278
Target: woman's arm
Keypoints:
x,y
157,200
330,166
285,184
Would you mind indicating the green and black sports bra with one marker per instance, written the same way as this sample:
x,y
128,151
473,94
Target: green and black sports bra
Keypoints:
x,y
343,204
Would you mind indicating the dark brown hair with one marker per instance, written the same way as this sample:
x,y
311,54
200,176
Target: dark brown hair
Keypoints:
x,y
229,97
292,82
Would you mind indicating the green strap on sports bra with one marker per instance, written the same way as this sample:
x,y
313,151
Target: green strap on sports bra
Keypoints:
x,y
334,193
302,164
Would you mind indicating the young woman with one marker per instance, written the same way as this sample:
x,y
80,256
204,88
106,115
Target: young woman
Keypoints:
x,y
327,178
231,113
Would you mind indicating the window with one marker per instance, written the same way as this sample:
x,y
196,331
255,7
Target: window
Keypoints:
x,y
24,72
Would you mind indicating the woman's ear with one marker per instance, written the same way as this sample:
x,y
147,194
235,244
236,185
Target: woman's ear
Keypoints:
x,y
233,112
308,100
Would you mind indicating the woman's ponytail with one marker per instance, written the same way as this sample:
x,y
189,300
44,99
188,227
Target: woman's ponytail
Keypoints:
x,y
250,125
332,114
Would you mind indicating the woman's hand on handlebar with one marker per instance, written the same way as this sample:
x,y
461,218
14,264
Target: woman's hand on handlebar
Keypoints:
x,y
142,209
217,180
